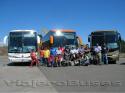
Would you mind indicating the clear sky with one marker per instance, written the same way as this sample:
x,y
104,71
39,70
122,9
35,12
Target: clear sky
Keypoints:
x,y
83,16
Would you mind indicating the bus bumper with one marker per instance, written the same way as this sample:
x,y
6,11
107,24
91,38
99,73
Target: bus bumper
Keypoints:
x,y
113,57
20,59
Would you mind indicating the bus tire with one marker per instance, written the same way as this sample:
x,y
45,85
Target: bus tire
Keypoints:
x,y
114,62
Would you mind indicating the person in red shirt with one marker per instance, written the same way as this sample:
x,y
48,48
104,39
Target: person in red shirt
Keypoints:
x,y
33,58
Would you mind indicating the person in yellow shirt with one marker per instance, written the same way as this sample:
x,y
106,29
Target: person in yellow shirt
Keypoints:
x,y
46,56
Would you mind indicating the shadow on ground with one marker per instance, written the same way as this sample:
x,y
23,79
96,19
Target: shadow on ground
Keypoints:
x,y
19,64
122,64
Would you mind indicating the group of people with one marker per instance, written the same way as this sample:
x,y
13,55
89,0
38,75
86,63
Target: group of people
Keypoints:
x,y
99,54
83,55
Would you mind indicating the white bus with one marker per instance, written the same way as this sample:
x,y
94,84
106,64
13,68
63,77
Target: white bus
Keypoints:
x,y
20,44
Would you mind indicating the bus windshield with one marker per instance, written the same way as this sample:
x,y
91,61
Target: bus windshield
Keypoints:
x,y
64,39
22,42
107,38
110,38
97,39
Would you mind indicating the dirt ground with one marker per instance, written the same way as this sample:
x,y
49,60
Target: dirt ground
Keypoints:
x,y
3,51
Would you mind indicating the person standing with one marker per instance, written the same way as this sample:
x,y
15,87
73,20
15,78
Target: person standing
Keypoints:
x,y
52,56
104,54
46,56
98,50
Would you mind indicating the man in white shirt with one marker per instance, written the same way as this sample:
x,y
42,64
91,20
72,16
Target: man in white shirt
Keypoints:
x,y
58,52
98,48
73,50
76,51
98,51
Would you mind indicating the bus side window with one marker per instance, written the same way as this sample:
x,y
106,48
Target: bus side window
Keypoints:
x,y
89,38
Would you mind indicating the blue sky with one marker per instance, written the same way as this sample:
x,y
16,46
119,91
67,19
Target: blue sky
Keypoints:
x,y
83,16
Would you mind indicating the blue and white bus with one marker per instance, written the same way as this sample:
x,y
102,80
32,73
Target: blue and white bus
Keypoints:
x,y
20,44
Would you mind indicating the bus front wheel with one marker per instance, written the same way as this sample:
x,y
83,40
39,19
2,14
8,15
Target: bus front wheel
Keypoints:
x,y
113,62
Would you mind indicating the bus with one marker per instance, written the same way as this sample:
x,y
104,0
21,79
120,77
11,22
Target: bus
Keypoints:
x,y
63,38
112,40
20,44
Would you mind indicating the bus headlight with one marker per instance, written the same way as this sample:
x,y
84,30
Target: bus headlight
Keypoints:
x,y
115,55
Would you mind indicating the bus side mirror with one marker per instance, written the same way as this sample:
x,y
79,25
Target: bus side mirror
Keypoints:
x,y
38,40
51,40
80,40
89,38
119,37
5,40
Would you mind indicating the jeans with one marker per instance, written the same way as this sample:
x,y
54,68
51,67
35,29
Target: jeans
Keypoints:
x,y
52,63
105,58
41,60
46,61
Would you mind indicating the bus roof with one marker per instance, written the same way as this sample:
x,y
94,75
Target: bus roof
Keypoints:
x,y
62,30
22,31
104,31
